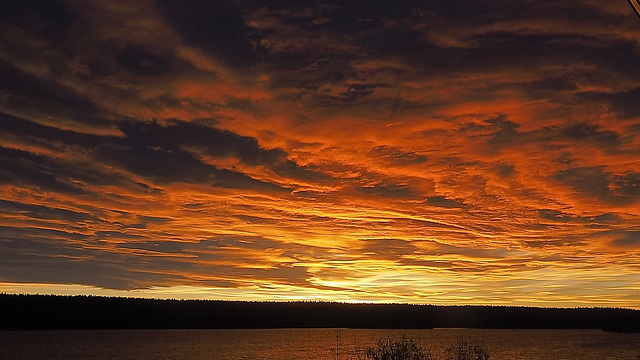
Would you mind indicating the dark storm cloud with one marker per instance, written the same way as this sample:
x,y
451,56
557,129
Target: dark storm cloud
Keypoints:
x,y
46,19
338,16
502,50
505,170
218,143
545,86
44,212
397,156
310,70
617,57
390,190
500,130
400,41
360,31
27,92
158,164
118,259
595,182
148,149
441,201
52,173
508,47
591,133
629,238
624,103
218,27
385,30
26,169
141,62
555,215
61,257
356,28
357,91
608,218
505,129
170,165
43,134
146,220
484,38
215,142
593,221
567,242
135,65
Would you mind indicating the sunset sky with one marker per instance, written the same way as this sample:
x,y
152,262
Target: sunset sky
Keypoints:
x,y
441,152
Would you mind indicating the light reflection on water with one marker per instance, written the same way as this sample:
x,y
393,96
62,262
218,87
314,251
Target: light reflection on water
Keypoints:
x,y
302,344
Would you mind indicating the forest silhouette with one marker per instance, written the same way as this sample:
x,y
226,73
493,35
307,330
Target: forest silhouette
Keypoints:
x,y
23,312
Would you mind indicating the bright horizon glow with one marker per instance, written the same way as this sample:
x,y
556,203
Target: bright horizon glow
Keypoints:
x,y
427,152
222,294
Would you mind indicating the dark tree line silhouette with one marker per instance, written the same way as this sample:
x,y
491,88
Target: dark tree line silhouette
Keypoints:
x,y
92,312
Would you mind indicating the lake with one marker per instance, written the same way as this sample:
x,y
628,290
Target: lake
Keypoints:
x,y
302,344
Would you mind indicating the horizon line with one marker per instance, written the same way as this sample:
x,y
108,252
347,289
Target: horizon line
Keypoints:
x,y
281,301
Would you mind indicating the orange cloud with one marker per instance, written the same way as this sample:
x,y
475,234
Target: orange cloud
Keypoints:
x,y
322,152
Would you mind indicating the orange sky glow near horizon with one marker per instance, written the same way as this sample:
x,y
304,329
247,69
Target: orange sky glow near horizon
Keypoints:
x,y
437,152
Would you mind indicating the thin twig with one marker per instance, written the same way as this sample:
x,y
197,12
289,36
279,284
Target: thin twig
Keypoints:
x,y
636,6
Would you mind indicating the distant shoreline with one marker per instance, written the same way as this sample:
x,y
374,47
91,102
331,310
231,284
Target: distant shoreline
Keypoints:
x,y
31,312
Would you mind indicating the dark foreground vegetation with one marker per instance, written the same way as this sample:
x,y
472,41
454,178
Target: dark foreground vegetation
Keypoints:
x,y
409,349
90,312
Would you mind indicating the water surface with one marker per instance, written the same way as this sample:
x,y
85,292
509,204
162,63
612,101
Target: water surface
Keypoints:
x,y
301,344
